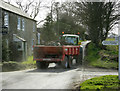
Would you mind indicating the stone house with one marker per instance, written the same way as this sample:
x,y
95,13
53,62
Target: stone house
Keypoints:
x,y
18,33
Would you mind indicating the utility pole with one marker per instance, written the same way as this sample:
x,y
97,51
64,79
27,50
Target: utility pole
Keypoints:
x,y
119,44
119,53
51,9
57,11
0,44
0,34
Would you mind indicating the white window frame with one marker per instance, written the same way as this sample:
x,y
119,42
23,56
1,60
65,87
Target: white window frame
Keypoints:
x,y
19,23
23,25
32,43
7,43
38,38
6,19
33,26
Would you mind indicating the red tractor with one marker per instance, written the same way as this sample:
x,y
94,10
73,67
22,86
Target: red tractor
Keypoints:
x,y
68,49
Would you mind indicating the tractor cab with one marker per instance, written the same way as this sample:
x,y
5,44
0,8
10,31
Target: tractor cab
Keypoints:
x,y
70,39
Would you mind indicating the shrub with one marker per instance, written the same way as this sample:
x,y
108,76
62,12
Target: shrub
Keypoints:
x,y
97,57
92,52
12,66
103,82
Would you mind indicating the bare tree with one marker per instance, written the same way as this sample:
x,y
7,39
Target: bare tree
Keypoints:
x,y
9,1
31,6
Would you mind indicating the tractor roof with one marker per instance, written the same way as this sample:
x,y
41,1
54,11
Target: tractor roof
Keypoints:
x,y
72,35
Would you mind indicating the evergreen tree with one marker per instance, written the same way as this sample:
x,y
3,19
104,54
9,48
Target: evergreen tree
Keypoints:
x,y
48,33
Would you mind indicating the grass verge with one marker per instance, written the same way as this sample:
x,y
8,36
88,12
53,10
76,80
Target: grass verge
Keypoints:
x,y
14,66
103,83
29,63
97,57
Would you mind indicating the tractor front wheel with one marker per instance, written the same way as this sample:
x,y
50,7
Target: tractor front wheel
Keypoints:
x,y
66,63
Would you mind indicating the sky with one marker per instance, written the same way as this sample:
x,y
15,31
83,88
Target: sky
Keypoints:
x,y
44,11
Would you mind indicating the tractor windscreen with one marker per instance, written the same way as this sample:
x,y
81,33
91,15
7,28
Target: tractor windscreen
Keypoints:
x,y
70,40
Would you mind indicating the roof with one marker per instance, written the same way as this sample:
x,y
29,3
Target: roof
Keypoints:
x,y
13,9
19,38
71,35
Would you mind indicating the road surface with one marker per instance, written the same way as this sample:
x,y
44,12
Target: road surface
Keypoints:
x,y
51,78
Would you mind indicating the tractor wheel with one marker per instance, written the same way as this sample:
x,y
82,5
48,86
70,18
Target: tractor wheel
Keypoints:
x,y
58,64
79,59
42,65
70,62
65,62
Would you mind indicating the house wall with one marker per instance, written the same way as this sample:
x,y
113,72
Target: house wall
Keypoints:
x,y
27,34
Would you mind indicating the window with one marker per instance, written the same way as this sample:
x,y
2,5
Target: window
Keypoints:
x,y
23,24
6,19
33,26
38,38
71,40
7,43
19,45
19,24
32,43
